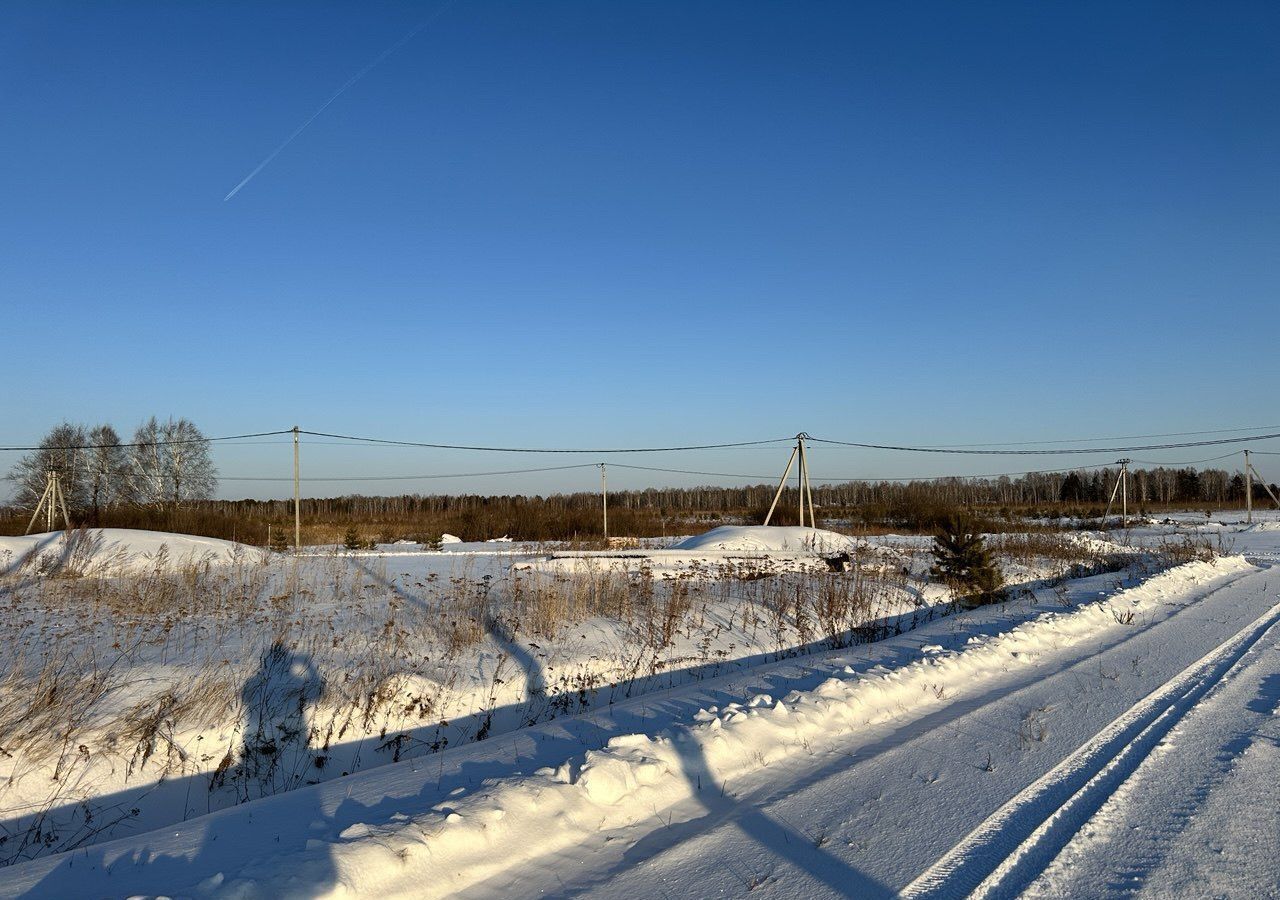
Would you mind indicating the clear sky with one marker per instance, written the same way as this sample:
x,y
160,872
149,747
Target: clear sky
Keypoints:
x,y
586,223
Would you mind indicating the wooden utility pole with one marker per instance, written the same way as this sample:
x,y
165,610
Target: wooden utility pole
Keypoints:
x,y
297,496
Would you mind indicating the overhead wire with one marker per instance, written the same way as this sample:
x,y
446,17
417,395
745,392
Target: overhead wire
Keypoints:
x,y
408,477
442,446
193,440
975,449
1122,437
1188,462
866,478
1055,451
335,439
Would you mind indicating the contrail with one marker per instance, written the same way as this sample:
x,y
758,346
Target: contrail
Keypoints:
x,y
336,94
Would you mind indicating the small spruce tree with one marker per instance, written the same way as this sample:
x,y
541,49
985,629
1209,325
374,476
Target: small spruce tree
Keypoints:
x,y
965,564
279,540
352,540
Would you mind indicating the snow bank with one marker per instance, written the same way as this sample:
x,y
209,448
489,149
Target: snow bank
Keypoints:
x,y
115,551
768,539
636,777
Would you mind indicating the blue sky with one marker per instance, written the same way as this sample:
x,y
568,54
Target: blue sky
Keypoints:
x,y
572,223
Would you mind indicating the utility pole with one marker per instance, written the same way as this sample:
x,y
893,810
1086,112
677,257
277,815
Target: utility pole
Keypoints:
x,y
604,500
800,479
1124,493
51,502
803,487
808,489
1248,488
297,497
1262,481
1122,487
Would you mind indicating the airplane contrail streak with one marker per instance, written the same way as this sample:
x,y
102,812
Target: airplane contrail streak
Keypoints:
x,y
336,94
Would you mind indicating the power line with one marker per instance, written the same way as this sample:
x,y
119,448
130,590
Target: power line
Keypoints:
x,y
1190,462
435,446
410,477
940,449
864,478
986,450
1122,437
194,440
828,479
1056,451
693,472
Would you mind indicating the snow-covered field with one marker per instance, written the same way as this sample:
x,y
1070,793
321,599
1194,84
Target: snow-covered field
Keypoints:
x,y
699,730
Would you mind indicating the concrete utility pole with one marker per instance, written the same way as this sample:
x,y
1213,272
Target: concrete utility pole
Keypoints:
x,y
604,500
1248,488
1250,473
803,487
1124,494
297,497
800,480
51,502
1122,486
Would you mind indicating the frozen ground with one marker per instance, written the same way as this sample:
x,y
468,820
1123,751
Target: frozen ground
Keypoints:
x,y
1001,749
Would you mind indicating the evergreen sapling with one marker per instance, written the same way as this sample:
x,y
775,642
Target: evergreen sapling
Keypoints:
x,y
965,564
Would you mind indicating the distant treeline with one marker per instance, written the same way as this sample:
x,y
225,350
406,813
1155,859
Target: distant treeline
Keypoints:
x,y
909,506
1158,486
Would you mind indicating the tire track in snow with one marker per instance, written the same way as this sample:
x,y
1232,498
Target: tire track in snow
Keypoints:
x,y
1013,846
1186,786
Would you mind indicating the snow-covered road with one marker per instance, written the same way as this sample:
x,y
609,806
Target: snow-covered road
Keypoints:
x,y
1013,745
1200,815
899,815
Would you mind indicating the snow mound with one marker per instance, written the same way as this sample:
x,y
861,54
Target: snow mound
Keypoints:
x,y
768,539
1264,526
115,551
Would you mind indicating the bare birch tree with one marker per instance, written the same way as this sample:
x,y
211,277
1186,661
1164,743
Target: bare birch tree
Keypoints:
x,y
108,479
171,463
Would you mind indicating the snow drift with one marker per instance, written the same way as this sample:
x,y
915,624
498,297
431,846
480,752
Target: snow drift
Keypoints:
x,y
115,551
768,539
